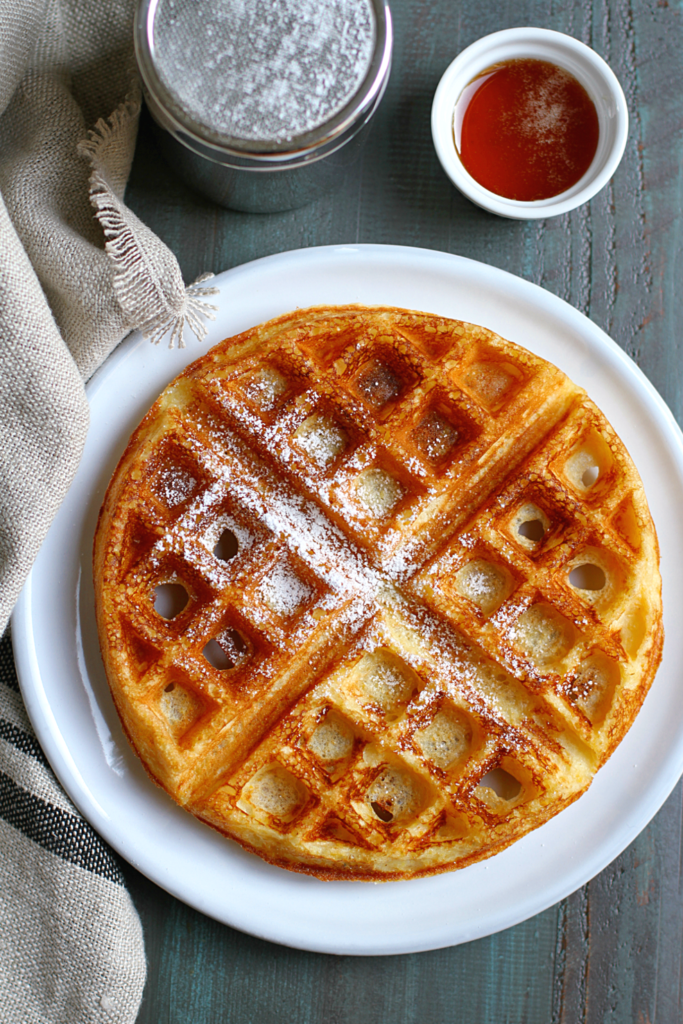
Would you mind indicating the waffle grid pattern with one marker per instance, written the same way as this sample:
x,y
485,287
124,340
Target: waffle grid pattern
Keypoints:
x,y
410,561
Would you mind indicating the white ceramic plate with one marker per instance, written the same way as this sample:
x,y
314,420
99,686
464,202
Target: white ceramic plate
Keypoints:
x,y
66,693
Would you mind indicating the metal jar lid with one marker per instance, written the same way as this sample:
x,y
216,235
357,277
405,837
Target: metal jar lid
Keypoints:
x,y
263,84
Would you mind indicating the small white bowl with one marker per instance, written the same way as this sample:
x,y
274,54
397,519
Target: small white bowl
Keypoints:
x,y
584,64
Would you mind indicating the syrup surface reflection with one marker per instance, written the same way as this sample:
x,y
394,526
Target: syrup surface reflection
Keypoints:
x,y
526,129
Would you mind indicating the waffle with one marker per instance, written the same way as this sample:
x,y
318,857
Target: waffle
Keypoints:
x,y
377,591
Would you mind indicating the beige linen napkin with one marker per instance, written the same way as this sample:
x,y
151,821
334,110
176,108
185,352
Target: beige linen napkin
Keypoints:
x,y
78,270
71,947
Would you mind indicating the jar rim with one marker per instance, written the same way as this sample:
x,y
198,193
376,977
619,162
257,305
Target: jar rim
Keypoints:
x,y
199,136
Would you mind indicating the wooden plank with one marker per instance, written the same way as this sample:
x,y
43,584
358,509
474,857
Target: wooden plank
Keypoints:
x,y
611,952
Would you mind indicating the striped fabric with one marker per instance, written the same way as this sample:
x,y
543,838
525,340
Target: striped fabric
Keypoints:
x,y
71,947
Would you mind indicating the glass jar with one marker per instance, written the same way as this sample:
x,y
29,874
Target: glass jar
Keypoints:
x,y
263,106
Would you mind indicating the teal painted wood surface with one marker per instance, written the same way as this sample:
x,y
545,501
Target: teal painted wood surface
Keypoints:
x,y
611,953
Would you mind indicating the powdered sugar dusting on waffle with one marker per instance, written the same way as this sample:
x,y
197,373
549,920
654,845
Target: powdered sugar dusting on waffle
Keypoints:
x,y
283,591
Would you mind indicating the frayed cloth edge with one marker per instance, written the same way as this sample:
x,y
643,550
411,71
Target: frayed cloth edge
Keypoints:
x,y
146,304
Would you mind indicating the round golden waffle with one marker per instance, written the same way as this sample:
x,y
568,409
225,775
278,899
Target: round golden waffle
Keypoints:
x,y
377,591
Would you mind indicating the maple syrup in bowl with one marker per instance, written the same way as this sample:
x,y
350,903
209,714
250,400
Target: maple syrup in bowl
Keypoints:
x,y
529,123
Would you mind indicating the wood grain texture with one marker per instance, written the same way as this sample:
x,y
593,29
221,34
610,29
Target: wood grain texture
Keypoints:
x,y
611,953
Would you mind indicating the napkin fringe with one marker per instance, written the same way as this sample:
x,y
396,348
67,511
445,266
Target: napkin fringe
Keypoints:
x,y
148,288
